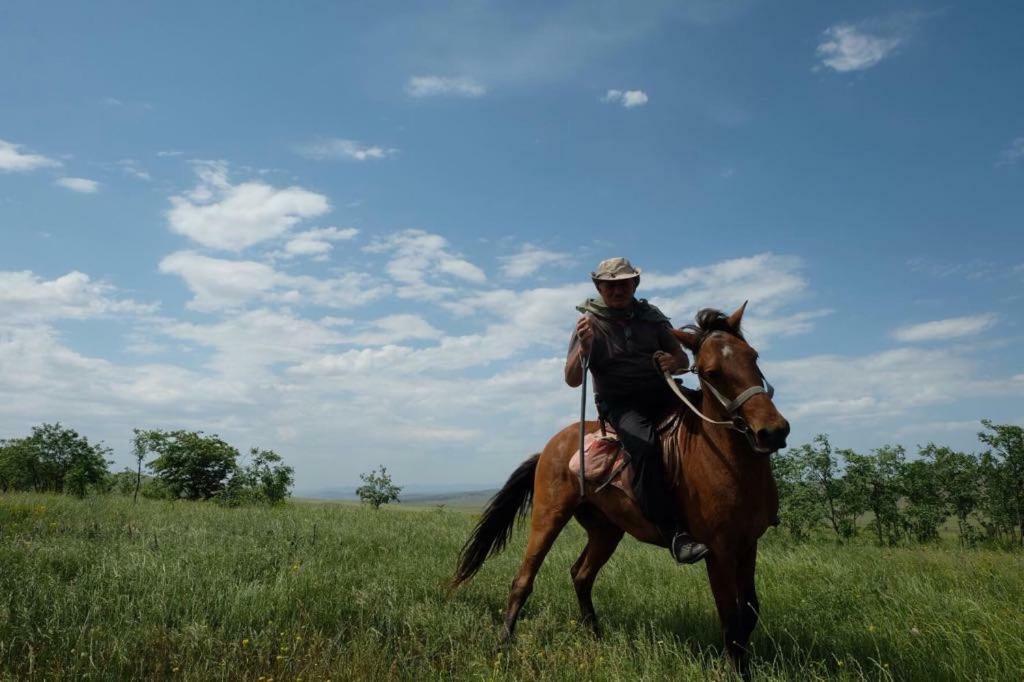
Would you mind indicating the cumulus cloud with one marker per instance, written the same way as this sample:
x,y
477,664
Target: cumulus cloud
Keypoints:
x,y
222,284
879,385
419,259
26,297
394,329
627,98
949,328
336,148
81,185
218,283
13,160
432,86
220,215
770,282
846,47
317,243
529,260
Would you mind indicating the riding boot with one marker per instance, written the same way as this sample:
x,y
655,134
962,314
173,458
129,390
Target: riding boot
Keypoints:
x,y
683,547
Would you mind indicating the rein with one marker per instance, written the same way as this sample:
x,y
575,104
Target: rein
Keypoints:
x,y
737,422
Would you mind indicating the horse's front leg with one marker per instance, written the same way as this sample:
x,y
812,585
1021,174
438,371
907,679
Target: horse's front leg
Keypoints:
x,y
723,573
749,606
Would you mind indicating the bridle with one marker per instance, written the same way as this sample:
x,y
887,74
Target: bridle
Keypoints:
x,y
736,421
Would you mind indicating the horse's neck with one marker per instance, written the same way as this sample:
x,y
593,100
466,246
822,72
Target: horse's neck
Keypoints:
x,y
718,446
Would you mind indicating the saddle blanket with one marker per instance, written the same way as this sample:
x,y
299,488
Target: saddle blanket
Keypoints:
x,y
605,457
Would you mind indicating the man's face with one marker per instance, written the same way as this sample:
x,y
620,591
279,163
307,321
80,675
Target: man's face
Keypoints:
x,y
617,294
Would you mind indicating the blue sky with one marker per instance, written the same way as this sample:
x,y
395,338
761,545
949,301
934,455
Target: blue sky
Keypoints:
x,y
356,233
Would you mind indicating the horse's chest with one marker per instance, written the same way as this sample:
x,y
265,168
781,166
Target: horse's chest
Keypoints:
x,y
742,503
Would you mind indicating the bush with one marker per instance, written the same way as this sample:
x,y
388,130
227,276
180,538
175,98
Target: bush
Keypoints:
x,y
265,480
377,488
188,464
56,459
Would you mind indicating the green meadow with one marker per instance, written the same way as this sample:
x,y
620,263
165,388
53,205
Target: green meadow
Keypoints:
x,y
103,589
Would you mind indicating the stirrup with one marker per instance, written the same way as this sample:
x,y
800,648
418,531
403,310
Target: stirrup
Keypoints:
x,y
686,550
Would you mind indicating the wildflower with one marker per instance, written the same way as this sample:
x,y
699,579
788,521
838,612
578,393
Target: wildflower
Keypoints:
x,y
915,631
871,628
280,658
245,642
839,663
174,669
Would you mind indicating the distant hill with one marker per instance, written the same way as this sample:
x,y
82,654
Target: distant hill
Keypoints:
x,y
467,499
417,497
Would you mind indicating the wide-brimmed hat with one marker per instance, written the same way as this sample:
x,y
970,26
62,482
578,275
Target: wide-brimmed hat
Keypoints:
x,y
614,269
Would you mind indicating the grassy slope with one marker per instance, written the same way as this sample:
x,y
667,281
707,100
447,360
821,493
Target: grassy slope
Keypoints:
x,y
102,588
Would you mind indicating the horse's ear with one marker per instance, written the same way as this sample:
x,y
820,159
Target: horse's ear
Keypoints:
x,y
687,338
737,317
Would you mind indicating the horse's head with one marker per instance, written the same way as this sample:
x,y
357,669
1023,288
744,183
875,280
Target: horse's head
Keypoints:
x,y
731,380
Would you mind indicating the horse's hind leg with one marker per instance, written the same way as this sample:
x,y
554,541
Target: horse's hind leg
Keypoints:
x,y
545,525
602,539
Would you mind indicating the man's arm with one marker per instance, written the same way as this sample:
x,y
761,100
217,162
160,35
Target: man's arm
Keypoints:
x,y
671,358
579,345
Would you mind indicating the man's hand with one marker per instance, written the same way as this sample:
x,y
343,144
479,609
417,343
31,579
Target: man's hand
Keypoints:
x,y
585,333
672,364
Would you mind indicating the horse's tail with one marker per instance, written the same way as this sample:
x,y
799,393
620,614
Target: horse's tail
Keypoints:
x,y
494,529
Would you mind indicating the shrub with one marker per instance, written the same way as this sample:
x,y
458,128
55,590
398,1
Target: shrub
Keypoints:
x,y
188,464
377,488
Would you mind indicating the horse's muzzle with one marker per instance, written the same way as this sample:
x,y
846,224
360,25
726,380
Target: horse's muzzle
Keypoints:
x,y
773,438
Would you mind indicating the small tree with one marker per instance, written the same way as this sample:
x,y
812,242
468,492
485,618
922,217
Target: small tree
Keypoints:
x,y
926,508
377,488
55,458
265,479
1003,470
879,476
188,464
19,465
800,508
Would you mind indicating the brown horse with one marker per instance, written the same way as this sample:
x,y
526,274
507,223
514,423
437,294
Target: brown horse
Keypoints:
x,y
720,475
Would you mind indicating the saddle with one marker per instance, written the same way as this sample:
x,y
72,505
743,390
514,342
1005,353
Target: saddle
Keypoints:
x,y
608,462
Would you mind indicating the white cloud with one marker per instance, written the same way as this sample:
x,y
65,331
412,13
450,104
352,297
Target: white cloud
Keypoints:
x,y
432,86
81,185
393,329
13,160
529,260
219,284
317,243
627,98
770,282
950,328
336,148
1013,153
133,168
25,297
418,259
835,389
220,215
845,47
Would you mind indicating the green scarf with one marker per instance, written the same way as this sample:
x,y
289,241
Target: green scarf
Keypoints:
x,y
640,310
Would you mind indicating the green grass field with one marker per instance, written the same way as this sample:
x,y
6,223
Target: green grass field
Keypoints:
x,y
103,589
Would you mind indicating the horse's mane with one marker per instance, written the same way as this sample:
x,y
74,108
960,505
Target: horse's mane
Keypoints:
x,y
709,321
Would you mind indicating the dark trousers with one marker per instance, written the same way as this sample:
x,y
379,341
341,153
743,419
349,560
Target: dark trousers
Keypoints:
x,y
636,424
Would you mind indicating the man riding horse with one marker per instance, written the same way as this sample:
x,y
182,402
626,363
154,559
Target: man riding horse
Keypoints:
x,y
627,344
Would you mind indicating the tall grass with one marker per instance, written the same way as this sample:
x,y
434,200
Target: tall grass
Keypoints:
x,y
103,589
